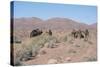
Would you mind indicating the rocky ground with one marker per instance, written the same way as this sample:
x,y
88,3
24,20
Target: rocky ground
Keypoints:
x,y
65,49
76,50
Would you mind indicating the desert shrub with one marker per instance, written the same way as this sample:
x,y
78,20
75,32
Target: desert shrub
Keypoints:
x,y
17,62
72,51
91,59
16,39
71,41
65,38
30,47
51,44
51,40
90,42
58,41
77,45
17,55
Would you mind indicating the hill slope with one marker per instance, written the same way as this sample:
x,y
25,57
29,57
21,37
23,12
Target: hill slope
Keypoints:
x,y
61,24
23,26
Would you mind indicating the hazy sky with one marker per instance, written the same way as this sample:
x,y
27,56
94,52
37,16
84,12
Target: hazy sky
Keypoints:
x,y
86,14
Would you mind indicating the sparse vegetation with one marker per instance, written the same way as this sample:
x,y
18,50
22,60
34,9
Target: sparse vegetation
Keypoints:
x,y
72,51
91,58
58,43
31,47
77,45
65,38
16,40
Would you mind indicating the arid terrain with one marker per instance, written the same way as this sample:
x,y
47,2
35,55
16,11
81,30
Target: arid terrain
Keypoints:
x,y
58,47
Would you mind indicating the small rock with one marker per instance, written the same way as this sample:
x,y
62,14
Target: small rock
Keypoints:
x,y
43,52
68,59
60,59
52,61
77,45
46,44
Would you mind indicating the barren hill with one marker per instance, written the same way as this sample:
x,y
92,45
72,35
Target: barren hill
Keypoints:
x,y
53,23
94,25
60,47
61,24
23,26
26,23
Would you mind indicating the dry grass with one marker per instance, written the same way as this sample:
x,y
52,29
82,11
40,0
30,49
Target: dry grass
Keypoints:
x,y
30,47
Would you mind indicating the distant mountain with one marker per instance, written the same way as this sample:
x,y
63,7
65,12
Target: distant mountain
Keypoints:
x,y
61,24
23,26
26,23
94,25
53,23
